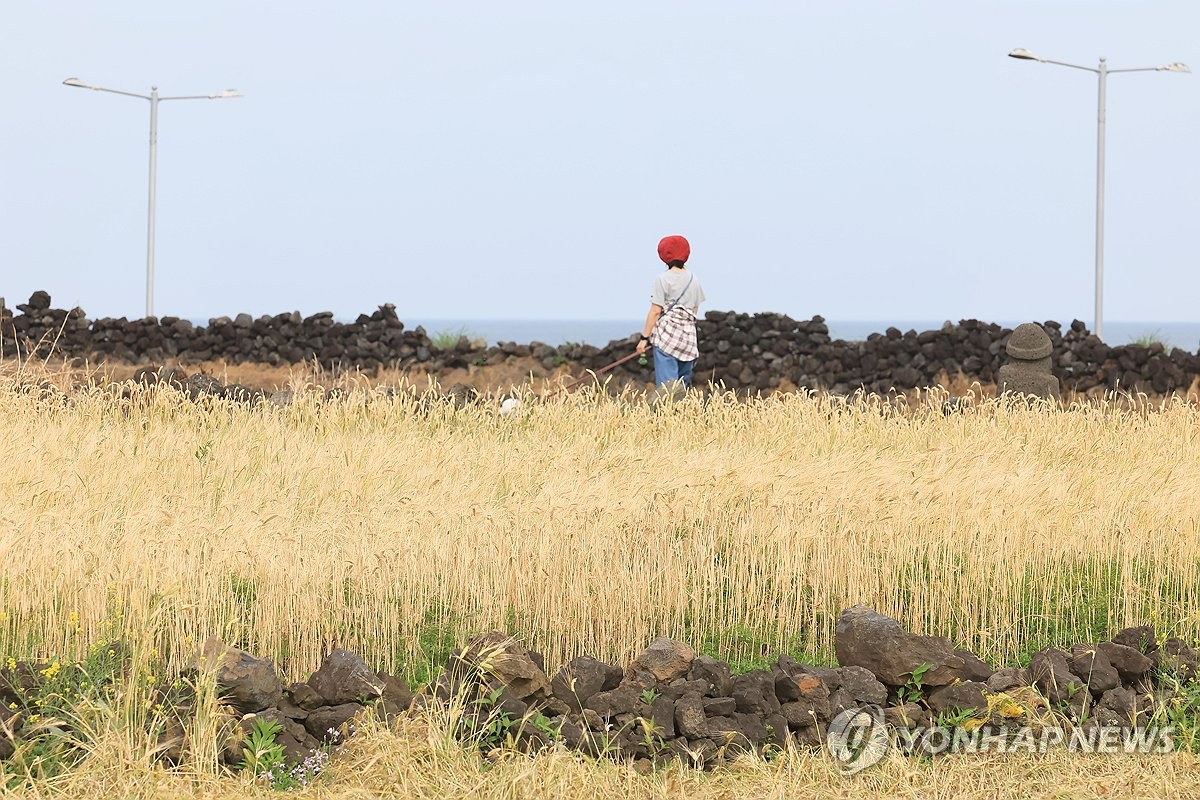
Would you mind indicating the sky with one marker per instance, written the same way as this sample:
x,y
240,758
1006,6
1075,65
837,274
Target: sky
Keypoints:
x,y
858,159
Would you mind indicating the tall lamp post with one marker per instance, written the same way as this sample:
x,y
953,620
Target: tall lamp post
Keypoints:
x,y
1103,72
154,99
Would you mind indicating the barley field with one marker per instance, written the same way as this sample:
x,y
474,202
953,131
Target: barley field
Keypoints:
x,y
398,525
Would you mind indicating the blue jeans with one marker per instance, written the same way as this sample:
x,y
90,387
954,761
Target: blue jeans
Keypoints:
x,y
668,369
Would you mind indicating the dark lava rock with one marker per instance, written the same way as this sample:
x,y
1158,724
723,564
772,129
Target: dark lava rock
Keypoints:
x,y
582,678
326,722
866,638
345,678
965,696
247,683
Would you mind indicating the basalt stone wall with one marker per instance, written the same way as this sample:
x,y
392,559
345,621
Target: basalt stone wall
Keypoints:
x,y
373,340
741,351
761,350
671,704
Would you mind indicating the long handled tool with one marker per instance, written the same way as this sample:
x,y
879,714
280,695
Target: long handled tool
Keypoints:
x,y
568,386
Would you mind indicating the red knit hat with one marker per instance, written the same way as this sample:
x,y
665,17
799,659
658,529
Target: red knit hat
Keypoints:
x,y
674,248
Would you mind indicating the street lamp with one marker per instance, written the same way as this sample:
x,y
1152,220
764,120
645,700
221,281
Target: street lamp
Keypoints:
x,y
1103,71
154,101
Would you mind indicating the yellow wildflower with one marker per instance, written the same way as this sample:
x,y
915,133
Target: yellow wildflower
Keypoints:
x,y
1003,705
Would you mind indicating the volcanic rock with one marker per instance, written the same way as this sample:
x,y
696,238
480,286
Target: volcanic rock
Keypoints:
x,y
1053,676
665,659
581,678
247,683
502,659
866,638
345,678
1129,663
965,696
1092,665
326,722
715,673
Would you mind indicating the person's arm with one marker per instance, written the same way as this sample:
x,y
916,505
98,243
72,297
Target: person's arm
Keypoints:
x,y
651,318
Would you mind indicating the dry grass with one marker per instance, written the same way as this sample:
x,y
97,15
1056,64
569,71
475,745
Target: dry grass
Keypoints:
x,y
418,763
374,767
586,525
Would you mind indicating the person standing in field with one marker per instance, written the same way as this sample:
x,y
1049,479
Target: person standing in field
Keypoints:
x,y
670,327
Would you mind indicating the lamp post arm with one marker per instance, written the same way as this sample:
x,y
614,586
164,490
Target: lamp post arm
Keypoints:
x,y
114,91
1137,69
1072,66
192,97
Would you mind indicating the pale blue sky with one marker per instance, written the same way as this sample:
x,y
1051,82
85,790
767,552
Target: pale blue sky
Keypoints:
x,y
862,160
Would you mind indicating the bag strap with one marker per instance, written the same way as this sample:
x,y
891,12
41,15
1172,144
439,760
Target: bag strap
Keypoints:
x,y
686,286
671,305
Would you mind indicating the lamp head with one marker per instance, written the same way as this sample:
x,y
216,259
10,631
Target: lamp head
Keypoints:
x,y
1024,55
226,93
78,82
1175,67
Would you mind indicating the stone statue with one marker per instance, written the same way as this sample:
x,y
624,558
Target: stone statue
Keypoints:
x,y
1028,370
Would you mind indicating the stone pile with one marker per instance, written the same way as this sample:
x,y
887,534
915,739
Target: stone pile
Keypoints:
x,y
318,712
672,704
371,341
744,352
762,352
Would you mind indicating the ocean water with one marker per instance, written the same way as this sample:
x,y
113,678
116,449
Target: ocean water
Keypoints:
x,y
600,331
